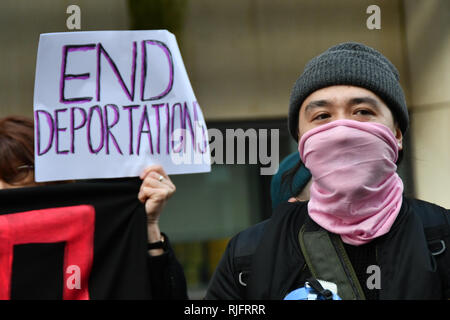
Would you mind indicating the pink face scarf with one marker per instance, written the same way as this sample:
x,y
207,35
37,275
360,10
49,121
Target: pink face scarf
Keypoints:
x,y
355,190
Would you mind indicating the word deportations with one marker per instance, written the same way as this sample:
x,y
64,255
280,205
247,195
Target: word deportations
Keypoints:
x,y
59,131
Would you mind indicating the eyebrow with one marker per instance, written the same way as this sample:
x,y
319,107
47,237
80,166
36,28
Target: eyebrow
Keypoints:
x,y
350,102
317,104
360,100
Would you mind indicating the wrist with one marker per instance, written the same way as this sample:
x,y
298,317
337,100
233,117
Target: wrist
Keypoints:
x,y
152,221
153,233
156,242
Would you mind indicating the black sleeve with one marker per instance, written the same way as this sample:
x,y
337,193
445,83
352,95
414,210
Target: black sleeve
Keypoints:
x,y
167,276
223,284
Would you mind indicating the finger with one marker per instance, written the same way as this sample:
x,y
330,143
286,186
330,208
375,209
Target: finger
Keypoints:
x,y
155,167
145,172
156,194
162,179
156,180
147,193
152,182
159,172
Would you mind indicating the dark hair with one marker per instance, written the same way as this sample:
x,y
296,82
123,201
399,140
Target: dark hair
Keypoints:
x,y
16,149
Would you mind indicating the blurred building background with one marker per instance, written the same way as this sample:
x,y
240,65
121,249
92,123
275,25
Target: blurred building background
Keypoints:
x,y
242,57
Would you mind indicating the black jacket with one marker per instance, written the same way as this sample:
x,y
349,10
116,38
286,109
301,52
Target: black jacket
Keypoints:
x,y
272,266
167,276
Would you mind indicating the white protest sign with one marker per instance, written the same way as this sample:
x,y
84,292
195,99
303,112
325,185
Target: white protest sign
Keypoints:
x,y
109,103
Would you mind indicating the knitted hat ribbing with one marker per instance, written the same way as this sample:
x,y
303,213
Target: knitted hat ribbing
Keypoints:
x,y
354,64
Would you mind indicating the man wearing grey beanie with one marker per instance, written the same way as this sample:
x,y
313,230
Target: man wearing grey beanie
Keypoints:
x,y
356,236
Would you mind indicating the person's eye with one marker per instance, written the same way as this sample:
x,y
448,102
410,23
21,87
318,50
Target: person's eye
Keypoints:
x,y
321,116
364,112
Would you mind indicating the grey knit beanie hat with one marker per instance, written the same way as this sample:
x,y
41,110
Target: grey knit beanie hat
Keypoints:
x,y
354,64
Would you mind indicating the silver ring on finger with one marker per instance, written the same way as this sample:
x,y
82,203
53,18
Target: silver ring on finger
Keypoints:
x,y
161,178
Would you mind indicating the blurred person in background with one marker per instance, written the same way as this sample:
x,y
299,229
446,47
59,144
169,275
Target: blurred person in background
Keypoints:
x,y
16,152
17,171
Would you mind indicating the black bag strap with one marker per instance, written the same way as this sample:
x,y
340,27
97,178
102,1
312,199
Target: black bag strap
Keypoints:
x,y
436,223
327,260
246,243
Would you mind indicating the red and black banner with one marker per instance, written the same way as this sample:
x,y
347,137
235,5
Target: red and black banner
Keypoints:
x,y
83,240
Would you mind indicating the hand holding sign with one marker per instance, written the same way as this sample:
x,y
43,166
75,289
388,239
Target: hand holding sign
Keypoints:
x,y
109,103
156,189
